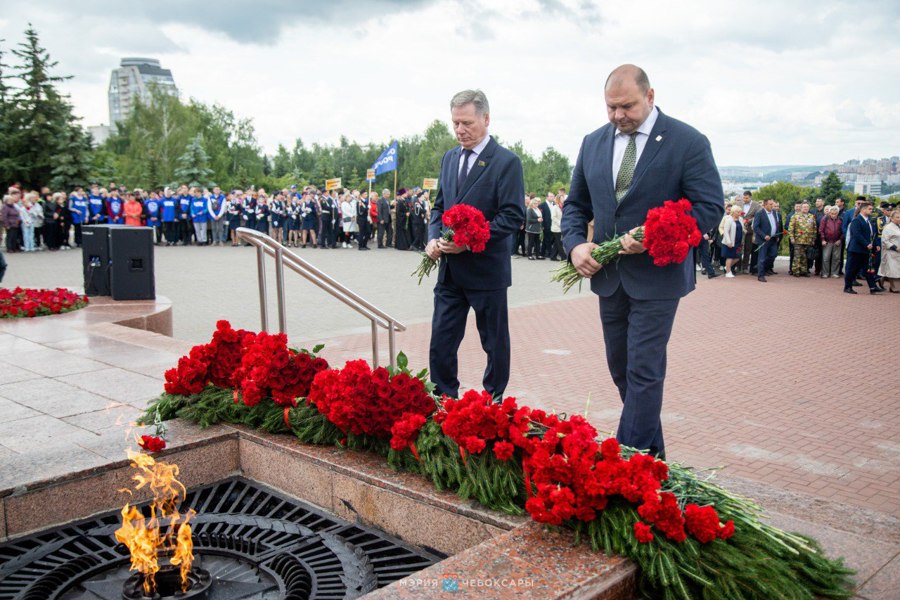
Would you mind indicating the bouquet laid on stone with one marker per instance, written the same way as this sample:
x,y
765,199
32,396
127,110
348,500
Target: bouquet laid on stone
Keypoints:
x,y
27,302
690,537
465,225
668,234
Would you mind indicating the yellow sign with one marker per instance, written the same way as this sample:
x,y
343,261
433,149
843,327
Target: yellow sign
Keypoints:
x,y
370,175
332,184
429,184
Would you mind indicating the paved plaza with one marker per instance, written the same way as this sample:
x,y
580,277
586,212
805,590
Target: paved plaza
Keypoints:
x,y
788,384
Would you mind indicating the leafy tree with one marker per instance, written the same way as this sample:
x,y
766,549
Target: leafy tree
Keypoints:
x,y
37,126
192,165
831,188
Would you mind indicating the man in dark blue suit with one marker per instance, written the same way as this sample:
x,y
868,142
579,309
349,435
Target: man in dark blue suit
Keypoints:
x,y
634,163
767,229
483,174
861,238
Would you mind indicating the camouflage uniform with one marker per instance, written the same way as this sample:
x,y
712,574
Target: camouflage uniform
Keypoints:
x,y
802,230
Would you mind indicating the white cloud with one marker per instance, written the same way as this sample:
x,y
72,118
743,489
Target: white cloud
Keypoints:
x,y
768,82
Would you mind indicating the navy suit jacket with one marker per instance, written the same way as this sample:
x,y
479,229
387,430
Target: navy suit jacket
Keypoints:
x,y
762,227
861,231
677,162
545,214
496,186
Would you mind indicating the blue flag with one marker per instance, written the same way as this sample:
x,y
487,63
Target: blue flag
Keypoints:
x,y
387,161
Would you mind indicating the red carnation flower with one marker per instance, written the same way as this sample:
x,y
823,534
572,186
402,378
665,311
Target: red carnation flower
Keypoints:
x,y
503,450
642,532
152,443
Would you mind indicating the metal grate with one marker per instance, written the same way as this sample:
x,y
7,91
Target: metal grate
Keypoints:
x,y
255,543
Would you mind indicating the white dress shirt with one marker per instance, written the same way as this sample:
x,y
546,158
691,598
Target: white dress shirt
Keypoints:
x,y
476,151
640,141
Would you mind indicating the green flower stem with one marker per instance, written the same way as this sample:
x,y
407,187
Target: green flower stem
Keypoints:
x,y
604,254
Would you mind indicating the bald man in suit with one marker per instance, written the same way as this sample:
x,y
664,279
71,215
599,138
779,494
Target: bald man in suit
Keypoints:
x,y
635,162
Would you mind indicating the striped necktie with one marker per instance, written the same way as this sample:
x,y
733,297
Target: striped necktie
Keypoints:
x,y
626,170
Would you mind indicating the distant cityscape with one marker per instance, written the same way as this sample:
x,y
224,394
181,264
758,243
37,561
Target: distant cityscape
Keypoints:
x,y
133,80
871,176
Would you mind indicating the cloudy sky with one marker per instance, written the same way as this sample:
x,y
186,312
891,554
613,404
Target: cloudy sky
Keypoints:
x,y
769,82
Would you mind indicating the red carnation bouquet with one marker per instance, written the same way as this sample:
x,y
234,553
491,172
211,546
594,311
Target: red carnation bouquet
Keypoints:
x,y
668,234
466,226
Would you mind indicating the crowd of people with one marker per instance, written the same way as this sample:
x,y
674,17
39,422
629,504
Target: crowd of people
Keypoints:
x,y
310,217
820,238
823,241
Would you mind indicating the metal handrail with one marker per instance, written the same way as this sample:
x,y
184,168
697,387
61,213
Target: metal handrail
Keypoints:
x,y
265,245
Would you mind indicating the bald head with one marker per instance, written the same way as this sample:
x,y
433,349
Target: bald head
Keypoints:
x,y
629,98
628,74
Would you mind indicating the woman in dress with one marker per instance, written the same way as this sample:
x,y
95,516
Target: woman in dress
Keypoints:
x,y
248,209
276,208
732,239
262,212
310,213
234,205
890,253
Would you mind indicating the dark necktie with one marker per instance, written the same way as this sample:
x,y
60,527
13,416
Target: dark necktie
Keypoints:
x,y
463,171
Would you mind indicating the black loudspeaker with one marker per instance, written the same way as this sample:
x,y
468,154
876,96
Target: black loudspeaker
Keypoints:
x,y
131,263
95,259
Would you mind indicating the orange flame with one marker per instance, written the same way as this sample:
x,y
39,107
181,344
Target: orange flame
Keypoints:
x,y
144,537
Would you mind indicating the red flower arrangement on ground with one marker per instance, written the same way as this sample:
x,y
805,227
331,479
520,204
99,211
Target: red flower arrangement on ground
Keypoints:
x,y
622,503
363,401
466,226
259,365
27,302
668,234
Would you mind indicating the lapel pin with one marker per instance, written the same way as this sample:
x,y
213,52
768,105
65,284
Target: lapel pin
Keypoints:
x,y
481,163
659,138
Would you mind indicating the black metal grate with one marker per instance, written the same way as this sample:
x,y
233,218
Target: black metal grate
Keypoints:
x,y
256,544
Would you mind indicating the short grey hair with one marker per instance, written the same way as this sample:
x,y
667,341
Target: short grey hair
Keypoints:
x,y
475,97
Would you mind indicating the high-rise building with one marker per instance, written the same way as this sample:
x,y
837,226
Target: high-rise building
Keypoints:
x,y
132,82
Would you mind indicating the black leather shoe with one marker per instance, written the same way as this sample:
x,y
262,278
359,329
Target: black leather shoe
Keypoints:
x,y
713,275
771,272
850,291
856,284
804,274
875,291
763,279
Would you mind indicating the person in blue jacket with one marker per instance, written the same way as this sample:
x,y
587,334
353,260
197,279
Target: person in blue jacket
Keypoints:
x,y
96,206
152,208
199,215
184,215
169,208
79,211
115,209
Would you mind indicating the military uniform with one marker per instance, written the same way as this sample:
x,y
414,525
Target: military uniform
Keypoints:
x,y
802,231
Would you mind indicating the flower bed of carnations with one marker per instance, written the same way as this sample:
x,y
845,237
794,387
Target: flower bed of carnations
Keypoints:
x,y
690,537
20,302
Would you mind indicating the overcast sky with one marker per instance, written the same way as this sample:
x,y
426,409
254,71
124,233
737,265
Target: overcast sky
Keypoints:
x,y
769,82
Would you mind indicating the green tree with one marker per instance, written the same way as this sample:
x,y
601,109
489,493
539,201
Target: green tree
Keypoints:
x,y
192,165
554,170
38,126
831,188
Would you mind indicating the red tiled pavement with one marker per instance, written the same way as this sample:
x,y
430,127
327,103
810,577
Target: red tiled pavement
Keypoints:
x,y
786,383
